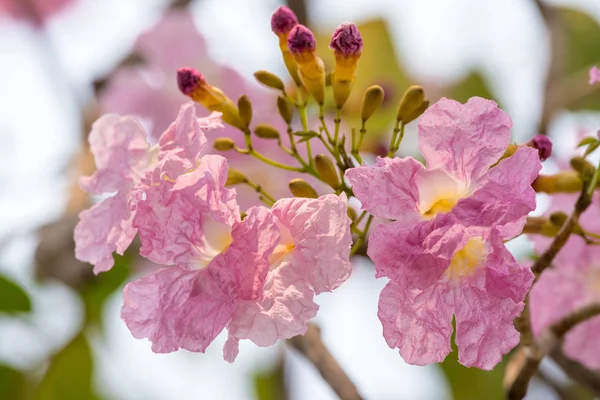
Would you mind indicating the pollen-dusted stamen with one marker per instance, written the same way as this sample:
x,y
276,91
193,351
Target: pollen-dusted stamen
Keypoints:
x,y
189,79
543,144
283,20
301,40
346,40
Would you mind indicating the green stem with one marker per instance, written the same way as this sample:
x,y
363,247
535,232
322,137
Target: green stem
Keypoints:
x,y
266,197
362,237
338,120
324,125
274,163
594,182
394,136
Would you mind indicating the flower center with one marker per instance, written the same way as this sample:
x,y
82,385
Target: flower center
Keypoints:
x,y
467,260
285,247
438,193
215,239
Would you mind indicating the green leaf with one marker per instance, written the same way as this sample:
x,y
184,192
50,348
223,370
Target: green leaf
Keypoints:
x,y
13,384
591,148
269,385
587,140
69,376
13,298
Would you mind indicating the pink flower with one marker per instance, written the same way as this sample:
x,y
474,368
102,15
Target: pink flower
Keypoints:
x,y
444,252
123,156
255,277
572,283
594,75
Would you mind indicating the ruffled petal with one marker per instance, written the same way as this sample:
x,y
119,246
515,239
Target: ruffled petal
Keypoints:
x,y
463,139
120,150
320,229
388,189
504,196
185,137
282,313
103,229
177,308
418,322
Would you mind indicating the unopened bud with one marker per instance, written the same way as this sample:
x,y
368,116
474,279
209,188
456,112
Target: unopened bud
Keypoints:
x,y
285,109
302,44
245,109
327,170
283,20
235,177
223,144
371,101
266,131
411,100
301,40
351,213
543,144
347,44
301,188
585,168
417,112
558,218
346,40
270,80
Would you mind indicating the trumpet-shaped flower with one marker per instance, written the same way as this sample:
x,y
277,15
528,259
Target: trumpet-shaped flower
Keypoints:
x,y
255,277
572,283
444,251
123,156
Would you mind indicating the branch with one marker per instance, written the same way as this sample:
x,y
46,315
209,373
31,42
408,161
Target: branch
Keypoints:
x,y
576,371
527,360
312,347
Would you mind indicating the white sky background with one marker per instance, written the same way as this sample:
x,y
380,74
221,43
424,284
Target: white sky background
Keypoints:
x,y
39,130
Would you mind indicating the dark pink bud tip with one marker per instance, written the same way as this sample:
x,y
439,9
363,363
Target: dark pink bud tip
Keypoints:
x,y
346,39
543,144
301,39
188,79
283,20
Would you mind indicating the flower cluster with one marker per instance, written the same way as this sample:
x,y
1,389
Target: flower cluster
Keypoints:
x,y
440,225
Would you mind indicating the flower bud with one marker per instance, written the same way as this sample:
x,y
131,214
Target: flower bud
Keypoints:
x,y
351,213
235,177
266,131
285,109
283,21
245,109
269,80
347,44
301,188
585,168
543,144
302,44
223,144
417,112
411,100
371,101
192,84
558,218
327,170
562,182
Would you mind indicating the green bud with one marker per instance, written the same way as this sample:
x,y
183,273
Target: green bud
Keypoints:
x,y
558,218
245,109
371,101
285,109
351,213
417,112
411,100
235,177
300,188
270,80
585,168
327,170
223,144
266,131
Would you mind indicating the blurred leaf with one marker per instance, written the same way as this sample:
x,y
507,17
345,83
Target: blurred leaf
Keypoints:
x,y
99,289
12,297
473,84
69,375
269,384
473,383
13,384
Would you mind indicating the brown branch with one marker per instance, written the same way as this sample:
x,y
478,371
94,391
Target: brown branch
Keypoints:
x,y
562,392
312,347
525,364
577,372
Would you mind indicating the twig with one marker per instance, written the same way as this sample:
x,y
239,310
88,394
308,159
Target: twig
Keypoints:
x,y
527,361
576,371
562,392
312,347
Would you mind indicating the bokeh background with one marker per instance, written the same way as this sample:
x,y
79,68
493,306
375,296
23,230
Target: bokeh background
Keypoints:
x,y
64,62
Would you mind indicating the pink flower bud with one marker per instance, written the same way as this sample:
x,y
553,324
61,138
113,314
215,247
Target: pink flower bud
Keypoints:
x,y
283,20
346,40
301,40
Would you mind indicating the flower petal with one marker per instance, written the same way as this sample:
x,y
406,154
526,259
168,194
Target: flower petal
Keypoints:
x,y
320,230
418,322
387,189
463,139
120,150
103,229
